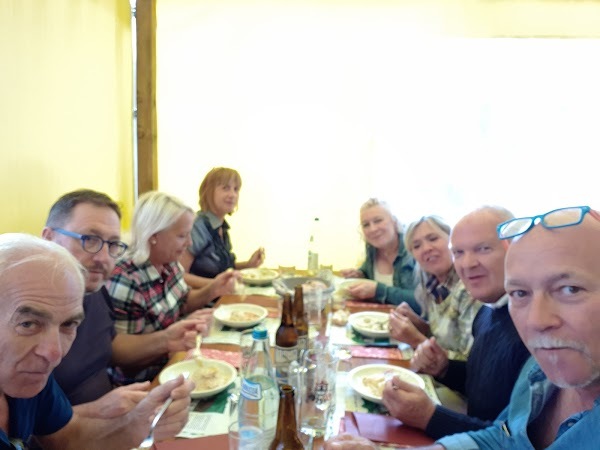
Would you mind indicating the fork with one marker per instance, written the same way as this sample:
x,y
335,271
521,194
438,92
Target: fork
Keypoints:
x,y
149,441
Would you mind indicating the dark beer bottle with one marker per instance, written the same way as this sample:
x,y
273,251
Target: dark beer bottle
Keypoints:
x,y
286,342
300,320
286,433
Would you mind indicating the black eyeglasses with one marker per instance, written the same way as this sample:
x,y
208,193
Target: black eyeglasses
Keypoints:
x,y
93,244
557,218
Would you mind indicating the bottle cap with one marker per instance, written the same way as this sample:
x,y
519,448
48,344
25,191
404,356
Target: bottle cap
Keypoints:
x,y
259,333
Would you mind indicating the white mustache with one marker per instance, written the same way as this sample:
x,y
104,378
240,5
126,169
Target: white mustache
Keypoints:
x,y
546,342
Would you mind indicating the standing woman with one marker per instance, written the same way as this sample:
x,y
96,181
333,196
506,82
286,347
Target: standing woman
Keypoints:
x,y
447,308
388,266
211,251
147,285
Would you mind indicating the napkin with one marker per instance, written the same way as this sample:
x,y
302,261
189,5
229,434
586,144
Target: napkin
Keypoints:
x,y
381,353
384,429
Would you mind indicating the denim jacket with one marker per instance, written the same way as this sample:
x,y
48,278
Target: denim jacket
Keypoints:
x,y
531,393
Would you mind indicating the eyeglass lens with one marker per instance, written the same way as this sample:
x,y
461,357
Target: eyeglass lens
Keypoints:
x,y
93,244
563,217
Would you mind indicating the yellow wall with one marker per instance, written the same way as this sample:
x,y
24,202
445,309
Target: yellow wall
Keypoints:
x,y
65,105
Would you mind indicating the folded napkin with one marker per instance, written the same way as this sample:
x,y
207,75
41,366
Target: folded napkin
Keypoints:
x,y
384,429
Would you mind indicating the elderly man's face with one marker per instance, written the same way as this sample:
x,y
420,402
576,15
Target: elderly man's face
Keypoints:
x,y
553,279
39,314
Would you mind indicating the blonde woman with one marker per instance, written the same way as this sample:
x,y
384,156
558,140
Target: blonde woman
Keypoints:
x,y
147,285
388,265
447,308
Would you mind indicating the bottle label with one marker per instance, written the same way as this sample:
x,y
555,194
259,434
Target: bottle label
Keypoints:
x,y
302,344
251,390
283,357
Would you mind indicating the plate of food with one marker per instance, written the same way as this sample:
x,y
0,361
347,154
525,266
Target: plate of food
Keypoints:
x,y
309,285
371,323
258,276
240,315
368,380
211,376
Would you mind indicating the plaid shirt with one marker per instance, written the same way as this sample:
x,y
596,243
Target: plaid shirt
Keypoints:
x,y
146,301
450,318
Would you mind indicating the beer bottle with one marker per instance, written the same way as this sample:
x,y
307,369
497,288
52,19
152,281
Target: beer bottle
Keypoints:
x,y
286,433
300,320
286,342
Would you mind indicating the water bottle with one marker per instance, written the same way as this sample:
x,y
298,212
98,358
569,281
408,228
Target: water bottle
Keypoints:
x,y
259,396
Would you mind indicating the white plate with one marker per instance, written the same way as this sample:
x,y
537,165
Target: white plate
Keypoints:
x,y
225,373
357,375
361,322
224,314
258,276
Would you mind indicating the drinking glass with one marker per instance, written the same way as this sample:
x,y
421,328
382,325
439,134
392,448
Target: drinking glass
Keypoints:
x,y
245,437
315,385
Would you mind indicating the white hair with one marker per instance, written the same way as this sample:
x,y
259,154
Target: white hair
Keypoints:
x,y
17,249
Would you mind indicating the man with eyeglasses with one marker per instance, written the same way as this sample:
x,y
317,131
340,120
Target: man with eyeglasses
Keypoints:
x,y
40,310
553,282
87,224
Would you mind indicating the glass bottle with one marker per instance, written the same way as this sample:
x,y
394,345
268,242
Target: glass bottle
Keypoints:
x,y
286,434
313,251
300,320
286,342
258,394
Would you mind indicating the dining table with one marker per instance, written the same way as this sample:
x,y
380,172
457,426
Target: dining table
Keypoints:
x,y
353,414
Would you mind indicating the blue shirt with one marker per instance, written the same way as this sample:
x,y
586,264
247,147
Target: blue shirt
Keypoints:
x,y
531,393
212,254
46,413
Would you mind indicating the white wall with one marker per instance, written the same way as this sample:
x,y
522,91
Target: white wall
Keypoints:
x,y
321,106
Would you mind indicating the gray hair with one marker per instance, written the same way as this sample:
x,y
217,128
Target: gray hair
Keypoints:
x,y
437,223
154,212
18,249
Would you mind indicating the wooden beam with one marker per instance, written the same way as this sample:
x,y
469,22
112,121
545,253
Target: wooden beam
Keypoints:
x,y
146,96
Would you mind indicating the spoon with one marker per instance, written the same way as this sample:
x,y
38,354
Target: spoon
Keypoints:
x,y
197,353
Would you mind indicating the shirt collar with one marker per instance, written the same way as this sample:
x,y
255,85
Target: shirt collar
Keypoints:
x,y
214,221
502,301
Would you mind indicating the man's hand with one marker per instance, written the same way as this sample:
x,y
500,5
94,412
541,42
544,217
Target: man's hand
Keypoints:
x,y
407,402
115,403
174,418
430,358
349,442
204,315
363,290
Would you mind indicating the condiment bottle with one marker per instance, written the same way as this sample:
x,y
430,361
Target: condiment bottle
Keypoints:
x,y
286,342
258,397
300,320
286,433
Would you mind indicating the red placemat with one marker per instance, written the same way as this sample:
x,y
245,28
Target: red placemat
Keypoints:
x,y
360,351
233,358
